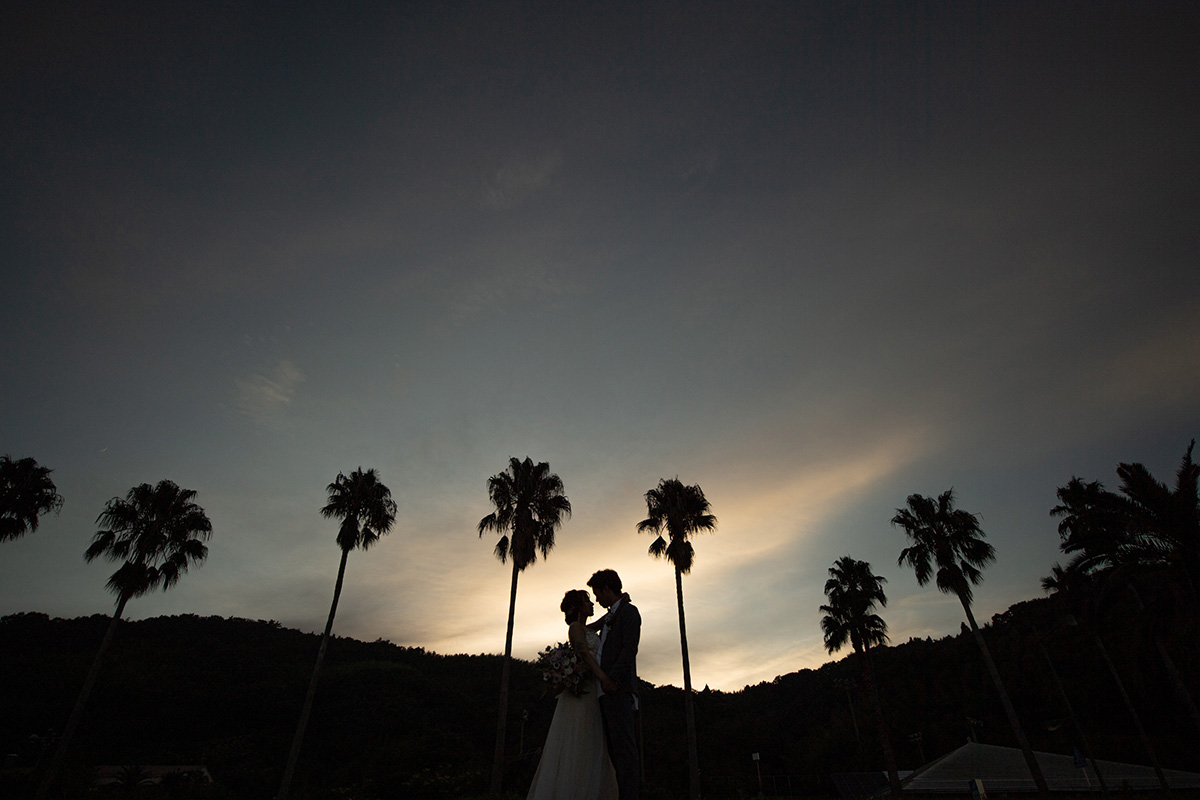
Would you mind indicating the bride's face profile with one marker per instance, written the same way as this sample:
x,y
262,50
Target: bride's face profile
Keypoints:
x,y
586,609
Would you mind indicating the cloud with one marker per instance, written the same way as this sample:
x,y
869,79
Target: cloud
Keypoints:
x,y
509,285
790,508
265,398
519,178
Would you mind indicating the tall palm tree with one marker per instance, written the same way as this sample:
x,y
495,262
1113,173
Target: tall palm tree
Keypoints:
x,y
367,511
156,532
530,507
1057,583
1074,587
26,493
854,592
950,541
680,511
1147,533
850,687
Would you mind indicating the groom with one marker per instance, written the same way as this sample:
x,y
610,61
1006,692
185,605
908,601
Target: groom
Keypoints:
x,y
620,630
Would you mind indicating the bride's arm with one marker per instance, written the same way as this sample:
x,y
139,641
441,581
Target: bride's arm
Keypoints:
x,y
578,638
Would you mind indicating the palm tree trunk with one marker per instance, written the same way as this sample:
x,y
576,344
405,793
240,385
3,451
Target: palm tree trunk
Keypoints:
x,y
1062,692
854,719
1182,695
889,758
1181,691
689,710
64,743
505,673
1034,769
1137,720
294,754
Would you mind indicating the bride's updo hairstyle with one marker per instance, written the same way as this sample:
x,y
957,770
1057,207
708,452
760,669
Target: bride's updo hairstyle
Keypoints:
x,y
572,604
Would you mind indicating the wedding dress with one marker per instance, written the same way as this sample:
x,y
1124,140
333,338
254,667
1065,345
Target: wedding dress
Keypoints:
x,y
574,764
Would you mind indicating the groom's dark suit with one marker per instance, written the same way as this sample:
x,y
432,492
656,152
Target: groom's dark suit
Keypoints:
x,y
618,659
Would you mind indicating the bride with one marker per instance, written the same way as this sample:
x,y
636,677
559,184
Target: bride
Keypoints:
x,y
575,764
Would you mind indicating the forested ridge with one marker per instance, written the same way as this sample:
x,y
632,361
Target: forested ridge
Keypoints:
x,y
393,721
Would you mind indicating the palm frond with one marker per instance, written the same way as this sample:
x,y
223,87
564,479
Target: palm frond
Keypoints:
x,y
853,591
363,504
681,554
529,507
157,531
947,543
101,546
26,494
658,548
1145,526
501,549
680,511
650,525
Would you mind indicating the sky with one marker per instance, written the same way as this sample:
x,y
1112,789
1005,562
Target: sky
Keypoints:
x,y
813,257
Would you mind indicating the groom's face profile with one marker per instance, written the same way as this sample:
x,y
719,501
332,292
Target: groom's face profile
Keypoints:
x,y
605,596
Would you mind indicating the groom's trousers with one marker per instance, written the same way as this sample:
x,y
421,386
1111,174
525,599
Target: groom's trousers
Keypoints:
x,y
617,710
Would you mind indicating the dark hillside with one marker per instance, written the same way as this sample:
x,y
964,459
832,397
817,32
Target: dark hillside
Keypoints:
x,y
392,721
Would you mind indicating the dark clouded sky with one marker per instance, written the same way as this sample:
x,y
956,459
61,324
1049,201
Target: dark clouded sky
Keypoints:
x,y
811,256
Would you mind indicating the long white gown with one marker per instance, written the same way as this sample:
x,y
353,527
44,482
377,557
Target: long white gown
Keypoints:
x,y
574,764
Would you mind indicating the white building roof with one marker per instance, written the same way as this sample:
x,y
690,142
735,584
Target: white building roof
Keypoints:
x,y
1003,770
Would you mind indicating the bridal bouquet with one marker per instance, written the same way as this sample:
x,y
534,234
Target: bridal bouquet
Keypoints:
x,y
563,670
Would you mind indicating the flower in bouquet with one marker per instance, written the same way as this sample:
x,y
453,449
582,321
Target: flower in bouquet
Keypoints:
x,y
563,670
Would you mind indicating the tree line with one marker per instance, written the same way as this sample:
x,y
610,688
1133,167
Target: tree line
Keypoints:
x,y
1142,540
157,532
392,721
1139,542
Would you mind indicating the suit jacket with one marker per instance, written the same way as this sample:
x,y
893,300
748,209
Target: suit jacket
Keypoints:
x,y
618,659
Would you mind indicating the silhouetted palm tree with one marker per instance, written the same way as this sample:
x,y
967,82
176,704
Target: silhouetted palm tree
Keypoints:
x,y
1147,534
367,511
26,493
680,511
853,592
950,541
1060,579
1095,530
1146,525
1057,583
530,507
1074,588
1167,518
157,532
850,687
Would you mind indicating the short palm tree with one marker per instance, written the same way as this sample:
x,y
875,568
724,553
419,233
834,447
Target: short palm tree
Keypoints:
x,y
530,507
156,532
679,512
26,493
367,511
948,545
854,592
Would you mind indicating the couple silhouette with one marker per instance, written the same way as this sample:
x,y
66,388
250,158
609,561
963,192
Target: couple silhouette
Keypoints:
x,y
591,749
